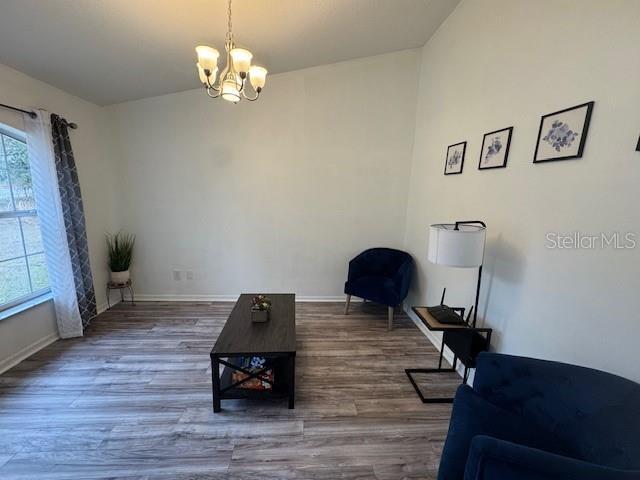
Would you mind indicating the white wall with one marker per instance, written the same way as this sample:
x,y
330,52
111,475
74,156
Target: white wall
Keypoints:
x,y
91,146
275,195
498,63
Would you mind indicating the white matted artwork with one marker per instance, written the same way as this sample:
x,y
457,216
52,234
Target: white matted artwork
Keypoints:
x,y
455,158
495,149
563,134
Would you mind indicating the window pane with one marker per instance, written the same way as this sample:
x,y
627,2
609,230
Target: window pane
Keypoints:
x,y
14,147
5,193
20,176
38,270
14,280
31,232
10,239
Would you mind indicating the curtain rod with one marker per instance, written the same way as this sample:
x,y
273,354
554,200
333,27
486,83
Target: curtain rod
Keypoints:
x,y
33,115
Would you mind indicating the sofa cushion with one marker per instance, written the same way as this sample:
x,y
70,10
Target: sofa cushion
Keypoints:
x,y
473,415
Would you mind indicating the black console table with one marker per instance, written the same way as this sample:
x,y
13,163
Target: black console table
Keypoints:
x,y
465,341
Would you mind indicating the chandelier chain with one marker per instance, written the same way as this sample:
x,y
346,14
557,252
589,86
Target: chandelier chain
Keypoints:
x,y
229,24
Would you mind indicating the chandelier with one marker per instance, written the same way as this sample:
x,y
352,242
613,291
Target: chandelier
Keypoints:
x,y
232,81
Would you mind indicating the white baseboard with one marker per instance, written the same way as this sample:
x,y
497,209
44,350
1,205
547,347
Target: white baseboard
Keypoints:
x,y
231,298
436,341
184,298
328,298
26,352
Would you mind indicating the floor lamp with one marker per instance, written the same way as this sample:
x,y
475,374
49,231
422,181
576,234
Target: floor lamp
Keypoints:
x,y
460,245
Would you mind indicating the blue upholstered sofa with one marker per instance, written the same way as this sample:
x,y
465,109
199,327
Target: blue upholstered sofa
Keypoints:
x,y
381,275
527,419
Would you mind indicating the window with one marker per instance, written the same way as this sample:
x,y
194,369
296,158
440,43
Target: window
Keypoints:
x,y
23,270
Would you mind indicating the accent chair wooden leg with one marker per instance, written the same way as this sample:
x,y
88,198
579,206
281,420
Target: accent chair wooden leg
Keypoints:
x,y
390,314
346,305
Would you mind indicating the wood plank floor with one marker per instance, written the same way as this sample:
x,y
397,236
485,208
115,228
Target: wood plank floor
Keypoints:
x,y
132,399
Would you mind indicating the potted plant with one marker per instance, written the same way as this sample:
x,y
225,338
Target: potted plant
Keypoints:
x,y
260,308
120,248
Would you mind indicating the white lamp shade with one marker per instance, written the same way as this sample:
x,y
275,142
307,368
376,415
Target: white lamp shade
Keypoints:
x,y
207,57
257,76
241,59
456,248
230,91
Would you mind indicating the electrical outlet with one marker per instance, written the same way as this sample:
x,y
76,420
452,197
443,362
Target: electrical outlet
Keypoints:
x,y
177,275
189,274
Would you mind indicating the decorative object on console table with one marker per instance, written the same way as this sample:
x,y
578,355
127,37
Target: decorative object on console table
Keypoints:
x,y
260,308
563,134
120,250
495,149
455,158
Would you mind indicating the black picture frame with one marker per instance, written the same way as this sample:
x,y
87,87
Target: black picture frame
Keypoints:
x,y
638,145
446,160
506,150
583,134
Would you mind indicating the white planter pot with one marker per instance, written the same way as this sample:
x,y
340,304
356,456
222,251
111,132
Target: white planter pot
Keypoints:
x,y
120,277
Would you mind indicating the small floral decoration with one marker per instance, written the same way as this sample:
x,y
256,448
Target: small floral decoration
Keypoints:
x,y
560,135
257,363
493,149
454,159
261,302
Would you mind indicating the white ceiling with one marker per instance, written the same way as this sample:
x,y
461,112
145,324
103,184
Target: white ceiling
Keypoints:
x,y
111,51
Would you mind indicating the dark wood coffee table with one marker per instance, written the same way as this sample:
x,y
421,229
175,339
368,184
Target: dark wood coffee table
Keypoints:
x,y
274,340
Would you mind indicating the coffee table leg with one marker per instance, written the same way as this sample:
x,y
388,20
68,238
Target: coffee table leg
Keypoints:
x,y
215,380
292,381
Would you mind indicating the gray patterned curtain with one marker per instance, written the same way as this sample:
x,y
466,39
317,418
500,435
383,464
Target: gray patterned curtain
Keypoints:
x,y
73,214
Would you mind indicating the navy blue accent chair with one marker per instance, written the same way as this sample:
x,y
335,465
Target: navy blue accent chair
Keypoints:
x,y
529,419
380,275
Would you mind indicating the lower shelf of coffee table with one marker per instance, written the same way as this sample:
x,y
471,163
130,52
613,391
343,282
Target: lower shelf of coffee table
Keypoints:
x,y
280,376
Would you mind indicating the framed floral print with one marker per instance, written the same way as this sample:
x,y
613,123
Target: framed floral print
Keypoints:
x,y
495,149
562,134
455,158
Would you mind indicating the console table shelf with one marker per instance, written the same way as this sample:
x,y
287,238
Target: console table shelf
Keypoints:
x,y
465,341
